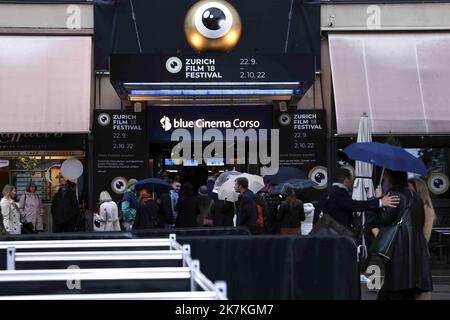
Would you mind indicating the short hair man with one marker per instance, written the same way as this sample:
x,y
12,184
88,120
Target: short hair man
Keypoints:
x,y
168,203
247,212
338,202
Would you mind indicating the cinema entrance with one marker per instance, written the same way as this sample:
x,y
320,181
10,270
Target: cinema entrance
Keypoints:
x,y
215,139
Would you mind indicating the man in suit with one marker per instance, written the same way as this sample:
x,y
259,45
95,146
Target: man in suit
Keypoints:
x,y
64,209
247,212
338,203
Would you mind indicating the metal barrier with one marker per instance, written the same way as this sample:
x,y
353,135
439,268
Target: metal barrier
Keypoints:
x,y
103,243
190,269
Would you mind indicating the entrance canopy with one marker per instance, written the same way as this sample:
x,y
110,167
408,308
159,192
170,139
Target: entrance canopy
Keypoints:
x,y
212,79
401,80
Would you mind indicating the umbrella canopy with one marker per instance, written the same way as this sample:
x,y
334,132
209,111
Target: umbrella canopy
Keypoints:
x,y
223,177
226,190
283,174
297,184
386,156
154,185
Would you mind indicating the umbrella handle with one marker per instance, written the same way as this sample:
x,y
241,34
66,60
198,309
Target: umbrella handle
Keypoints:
x,y
381,178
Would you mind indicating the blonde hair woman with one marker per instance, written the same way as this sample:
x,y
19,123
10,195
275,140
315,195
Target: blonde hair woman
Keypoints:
x,y
419,186
108,213
10,210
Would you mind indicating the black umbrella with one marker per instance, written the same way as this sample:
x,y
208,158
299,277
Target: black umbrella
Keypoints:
x,y
154,185
284,174
297,184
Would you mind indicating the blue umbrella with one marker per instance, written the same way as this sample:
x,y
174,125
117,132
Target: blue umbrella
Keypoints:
x,y
386,156
154,185
298,184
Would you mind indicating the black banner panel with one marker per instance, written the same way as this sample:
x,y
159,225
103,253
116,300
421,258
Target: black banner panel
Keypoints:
x,y
121,150
303,137
209,67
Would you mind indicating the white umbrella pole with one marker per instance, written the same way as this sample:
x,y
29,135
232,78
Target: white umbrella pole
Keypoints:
x,y
381,178
235,216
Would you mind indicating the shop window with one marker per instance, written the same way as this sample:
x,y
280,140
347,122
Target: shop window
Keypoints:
x,y
437,162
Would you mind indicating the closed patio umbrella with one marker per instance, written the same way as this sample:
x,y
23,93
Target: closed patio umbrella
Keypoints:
x,y
363,188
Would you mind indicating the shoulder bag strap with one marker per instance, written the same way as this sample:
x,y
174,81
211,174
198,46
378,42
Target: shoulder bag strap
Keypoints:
x,y
406,211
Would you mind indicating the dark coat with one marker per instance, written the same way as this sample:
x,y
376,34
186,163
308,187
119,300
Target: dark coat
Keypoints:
x,y
247,212
166,208
291,217
270,220
338,204
148,216
409,267
223,213
187,212
64,207
205,210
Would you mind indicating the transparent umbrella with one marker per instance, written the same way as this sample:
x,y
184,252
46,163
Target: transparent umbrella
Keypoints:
x,y
226,190
223,177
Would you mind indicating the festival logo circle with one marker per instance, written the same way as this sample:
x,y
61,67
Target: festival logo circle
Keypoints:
x,y
213,26
104,119
438,183
174,65
119,185
284,119
319,175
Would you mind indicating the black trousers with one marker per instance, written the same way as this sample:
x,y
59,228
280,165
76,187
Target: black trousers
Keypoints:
x,y
410,294
63,228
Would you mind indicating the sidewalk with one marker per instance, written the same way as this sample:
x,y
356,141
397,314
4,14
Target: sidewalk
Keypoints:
x,y
441,284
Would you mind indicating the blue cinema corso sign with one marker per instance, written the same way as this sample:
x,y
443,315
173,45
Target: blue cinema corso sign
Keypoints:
x,y
162,121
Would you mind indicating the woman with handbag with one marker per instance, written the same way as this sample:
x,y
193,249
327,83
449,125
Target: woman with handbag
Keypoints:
x,y
31,210
10,210
108,214
408,272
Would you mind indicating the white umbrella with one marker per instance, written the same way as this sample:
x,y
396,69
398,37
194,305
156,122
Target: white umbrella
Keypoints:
x,y
226,190
363,185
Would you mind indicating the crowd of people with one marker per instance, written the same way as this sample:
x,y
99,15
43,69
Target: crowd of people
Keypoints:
x,y
181,207
408,274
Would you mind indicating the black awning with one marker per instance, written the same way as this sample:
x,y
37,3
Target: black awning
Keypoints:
x,y
213,77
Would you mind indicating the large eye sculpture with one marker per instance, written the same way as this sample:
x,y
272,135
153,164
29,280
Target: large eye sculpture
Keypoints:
x,y
212,26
